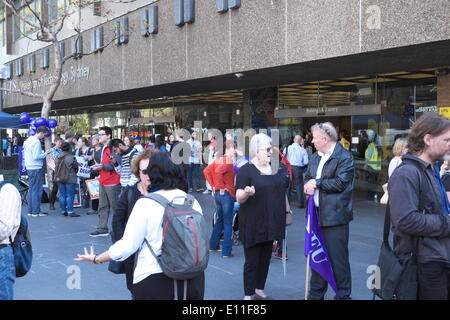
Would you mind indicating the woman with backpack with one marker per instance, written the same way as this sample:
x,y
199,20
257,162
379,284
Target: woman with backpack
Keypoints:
x,y
66,169
128,198
144,230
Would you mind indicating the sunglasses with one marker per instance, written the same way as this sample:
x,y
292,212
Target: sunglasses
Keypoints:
x,y
269,149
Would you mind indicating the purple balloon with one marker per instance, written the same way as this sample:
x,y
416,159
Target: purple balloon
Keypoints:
x,y
52,123
49,132
31,132
40,122
25,117
239,163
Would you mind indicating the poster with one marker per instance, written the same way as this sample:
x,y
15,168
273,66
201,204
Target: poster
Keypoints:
x,y
93,187
22,168
77,198
84,171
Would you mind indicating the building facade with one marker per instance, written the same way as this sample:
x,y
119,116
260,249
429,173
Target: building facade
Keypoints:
x,y
370,67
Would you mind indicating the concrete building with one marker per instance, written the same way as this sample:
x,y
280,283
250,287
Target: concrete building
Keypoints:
x,y
370,67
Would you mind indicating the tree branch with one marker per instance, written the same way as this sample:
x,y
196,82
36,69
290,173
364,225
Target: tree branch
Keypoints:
x,y
24,93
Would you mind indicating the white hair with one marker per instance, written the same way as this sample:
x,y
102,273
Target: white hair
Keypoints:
x,y
257,141
326,129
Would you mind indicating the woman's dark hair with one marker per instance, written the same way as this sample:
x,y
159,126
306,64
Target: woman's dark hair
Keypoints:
x,y
165,174
430,123
159,141
65,146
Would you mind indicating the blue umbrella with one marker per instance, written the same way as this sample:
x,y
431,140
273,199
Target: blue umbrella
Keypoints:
x,y
8,121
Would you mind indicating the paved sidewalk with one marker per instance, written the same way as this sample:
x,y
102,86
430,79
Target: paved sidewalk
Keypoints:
x,y
57,239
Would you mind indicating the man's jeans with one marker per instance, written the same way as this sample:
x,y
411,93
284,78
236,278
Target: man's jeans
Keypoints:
x,y
66,196
194,169
35,178
7,273
108,201
225,208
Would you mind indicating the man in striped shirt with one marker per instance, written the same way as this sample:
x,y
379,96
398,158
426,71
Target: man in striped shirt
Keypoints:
x,y
124,168
10,211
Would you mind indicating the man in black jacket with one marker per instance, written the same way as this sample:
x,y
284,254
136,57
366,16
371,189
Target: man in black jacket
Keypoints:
x,y
421,223
329,179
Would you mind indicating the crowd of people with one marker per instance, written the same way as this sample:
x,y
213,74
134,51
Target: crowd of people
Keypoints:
x,y
317,165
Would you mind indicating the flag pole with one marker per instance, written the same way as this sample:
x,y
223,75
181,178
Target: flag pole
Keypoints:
x,y
307,278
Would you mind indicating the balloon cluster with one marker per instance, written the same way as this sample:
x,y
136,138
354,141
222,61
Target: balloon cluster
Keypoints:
x,y
38,122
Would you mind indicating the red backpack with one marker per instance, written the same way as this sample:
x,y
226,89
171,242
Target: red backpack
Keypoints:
x,y
285,161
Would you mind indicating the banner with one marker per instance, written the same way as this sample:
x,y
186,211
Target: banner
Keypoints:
x,y
315,247
84,171
22,168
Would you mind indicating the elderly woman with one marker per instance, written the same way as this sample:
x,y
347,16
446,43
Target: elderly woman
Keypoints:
x,y
261,194
149,281
125,205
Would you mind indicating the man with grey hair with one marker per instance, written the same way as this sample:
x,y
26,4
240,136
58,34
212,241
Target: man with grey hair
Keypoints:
x,y
329,179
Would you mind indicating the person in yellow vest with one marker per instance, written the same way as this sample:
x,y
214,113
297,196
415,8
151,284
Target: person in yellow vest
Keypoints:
x,y
372,156
343,139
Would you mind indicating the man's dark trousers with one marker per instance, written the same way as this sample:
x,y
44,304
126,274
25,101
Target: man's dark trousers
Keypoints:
x,y
336,242
297,176
434,281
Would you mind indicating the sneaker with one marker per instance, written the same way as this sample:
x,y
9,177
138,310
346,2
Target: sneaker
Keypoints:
x,y
280,256
73,215
43,214
33,214
30,214
206,192
200,190
64,214
228,256
215,250
99,234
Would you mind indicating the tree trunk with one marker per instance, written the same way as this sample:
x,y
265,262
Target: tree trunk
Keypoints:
x,y
47,106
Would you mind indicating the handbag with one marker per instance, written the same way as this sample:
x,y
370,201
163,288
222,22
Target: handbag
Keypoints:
x,y
289,219
384,199
398,277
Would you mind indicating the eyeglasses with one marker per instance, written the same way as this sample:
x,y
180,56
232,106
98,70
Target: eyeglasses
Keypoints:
x,y
269,149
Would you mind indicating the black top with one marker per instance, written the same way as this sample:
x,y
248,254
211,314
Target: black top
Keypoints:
x,y
263,216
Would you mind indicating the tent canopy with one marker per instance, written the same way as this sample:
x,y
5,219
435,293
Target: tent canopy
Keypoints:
x,y
8,121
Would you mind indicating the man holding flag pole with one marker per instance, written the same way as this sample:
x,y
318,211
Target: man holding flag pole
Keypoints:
x,y
329,185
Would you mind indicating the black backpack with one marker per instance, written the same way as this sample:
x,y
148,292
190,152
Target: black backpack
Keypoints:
x,y
21,245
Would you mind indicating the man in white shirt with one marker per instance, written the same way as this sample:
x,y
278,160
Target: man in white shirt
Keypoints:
x,y
10,212
330,179
34,161
298,158
195,160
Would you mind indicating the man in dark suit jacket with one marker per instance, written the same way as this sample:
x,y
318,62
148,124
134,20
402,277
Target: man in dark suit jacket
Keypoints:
x,y
329,179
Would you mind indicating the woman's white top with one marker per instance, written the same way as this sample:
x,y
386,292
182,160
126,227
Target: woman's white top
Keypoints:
x,y
395,162
145,221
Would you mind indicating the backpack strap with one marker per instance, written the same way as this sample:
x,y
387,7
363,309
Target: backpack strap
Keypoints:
x,y
158,198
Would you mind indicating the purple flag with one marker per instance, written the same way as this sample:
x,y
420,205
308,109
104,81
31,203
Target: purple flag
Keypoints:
x,y
315,247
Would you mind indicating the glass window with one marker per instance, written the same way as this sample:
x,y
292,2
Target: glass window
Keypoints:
x,y
2,26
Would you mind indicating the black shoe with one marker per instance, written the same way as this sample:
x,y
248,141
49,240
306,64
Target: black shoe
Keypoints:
x,y
99,234
73,215
64,214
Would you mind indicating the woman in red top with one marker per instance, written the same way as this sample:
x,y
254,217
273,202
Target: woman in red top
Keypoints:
x,y
220,175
